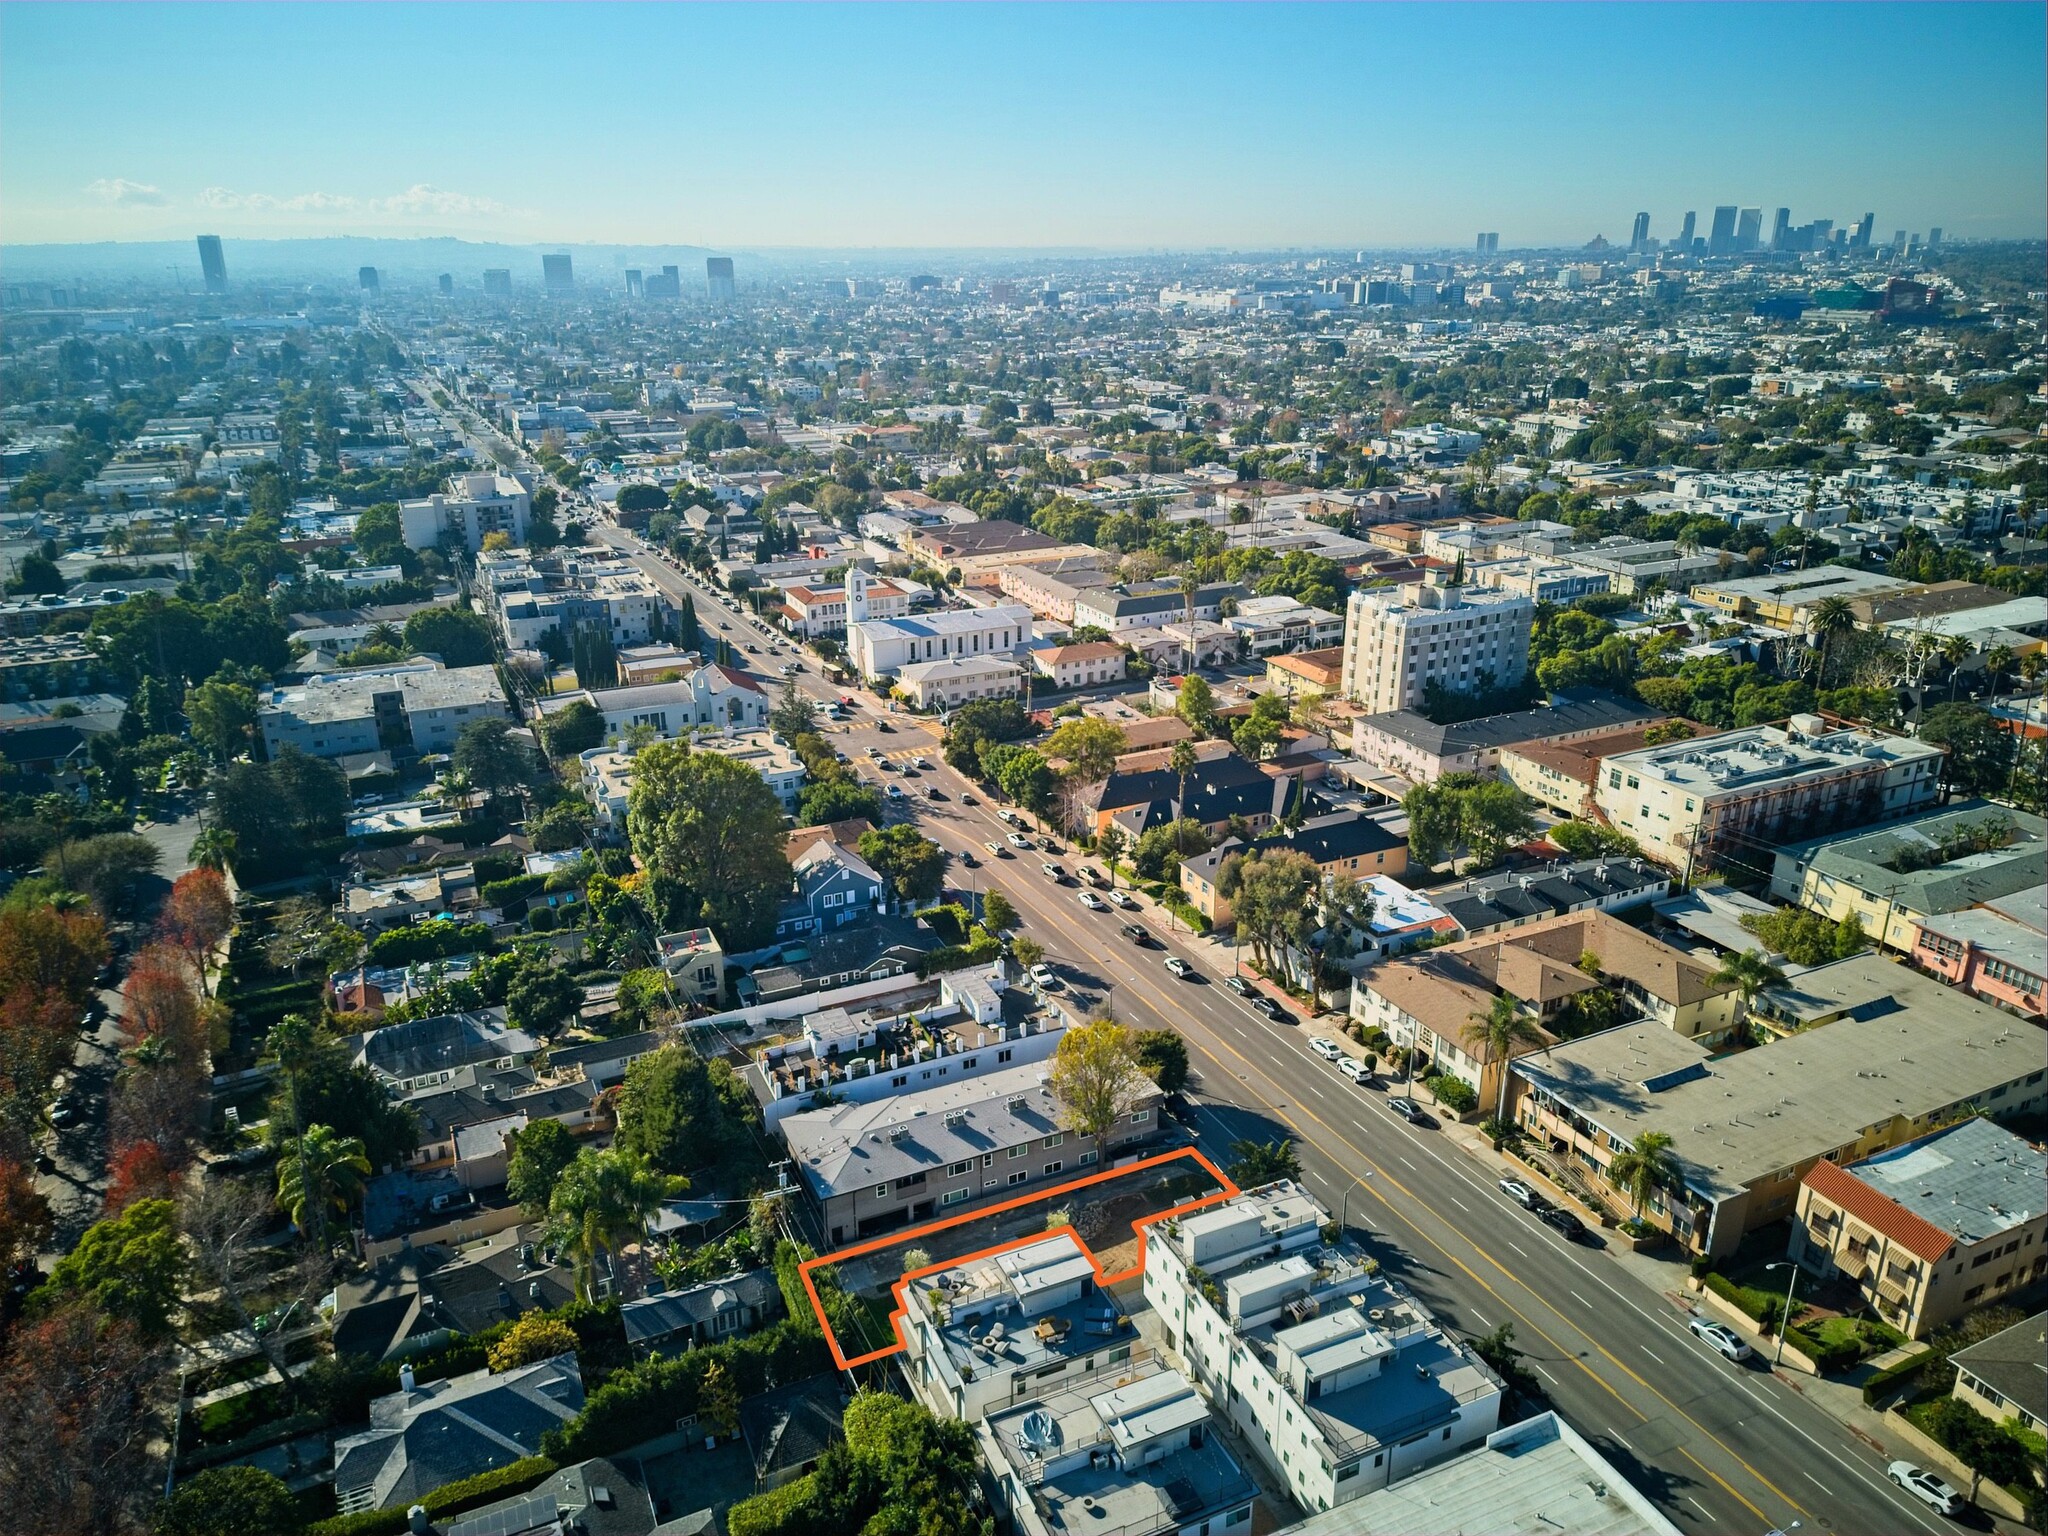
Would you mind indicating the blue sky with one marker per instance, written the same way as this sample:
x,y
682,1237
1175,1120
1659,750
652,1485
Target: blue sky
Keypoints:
x,y
1042,125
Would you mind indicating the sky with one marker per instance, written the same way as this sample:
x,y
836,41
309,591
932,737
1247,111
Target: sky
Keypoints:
x,y
995,126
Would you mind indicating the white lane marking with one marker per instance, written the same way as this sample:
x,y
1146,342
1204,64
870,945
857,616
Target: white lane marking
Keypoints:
x,y
1482,1321
1696,1504
1651,1353
1575,1296
1823,1487
1410,1165
1461,1205
1517,1247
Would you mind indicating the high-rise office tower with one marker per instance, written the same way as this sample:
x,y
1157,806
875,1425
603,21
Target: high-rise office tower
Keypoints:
x,y
1489,243
212,264
1685,231
1781,229
1933,237
1639,237
366,279
556,274
1749,229
447,285
1898,241
498,282
1721,238
718,277
633,288
665,284
1860,241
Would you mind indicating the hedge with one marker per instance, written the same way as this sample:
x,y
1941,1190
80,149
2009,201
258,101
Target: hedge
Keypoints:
x,y
1879,1386
429,941
449,1499
1762,1307
503,893
1828,1359
1454,1093
778,1511
955,957
645,1400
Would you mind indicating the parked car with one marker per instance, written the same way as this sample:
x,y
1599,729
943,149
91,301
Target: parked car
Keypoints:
x,y
1410,1111
1268,1007
1089,899
1329,1050
1044,976
1123,899
1720,1338
1926,1487
1018,840
1179,967
1569,1226
1356,1070
1138,934
1240,986
1521,1194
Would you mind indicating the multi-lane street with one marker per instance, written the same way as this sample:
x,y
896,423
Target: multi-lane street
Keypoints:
x,y
1722,1447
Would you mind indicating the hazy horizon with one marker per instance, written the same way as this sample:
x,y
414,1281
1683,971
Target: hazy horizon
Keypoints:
x,y
1115,130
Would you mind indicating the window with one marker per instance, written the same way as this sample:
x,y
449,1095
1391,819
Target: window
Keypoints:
x,y
954,1196
1051,1168
1052,1141
1140,1116
954,1170
1087,1159
881,1191
1017,1152
1020,1176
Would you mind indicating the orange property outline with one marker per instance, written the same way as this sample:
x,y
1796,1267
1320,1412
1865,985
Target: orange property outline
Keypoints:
x,y
895,1239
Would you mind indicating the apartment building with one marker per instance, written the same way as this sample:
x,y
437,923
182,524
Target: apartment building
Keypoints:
x,y
1882,1056
1990,955
880,648
810,612
1930,1230
1080,666
1562,773
1138,605
1345,845
606,776
532,599
1739,795
1275,626
1397,641
409,709
876,1167
694,962
1338,1380
1786,599
989,1333
1128,1449
714,697
1050,588
1306,674
1541,581
470,509
1517,898
1631,565
953,681
1895,877
1411,746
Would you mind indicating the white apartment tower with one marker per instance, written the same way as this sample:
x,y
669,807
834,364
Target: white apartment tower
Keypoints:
x,y
1397,640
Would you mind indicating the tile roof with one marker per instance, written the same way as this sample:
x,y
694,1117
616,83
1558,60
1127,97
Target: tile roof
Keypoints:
x,y
1878,1211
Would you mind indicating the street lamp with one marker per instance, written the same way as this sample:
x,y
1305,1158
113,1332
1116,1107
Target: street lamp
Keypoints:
x,y
1784,1322
1344,1207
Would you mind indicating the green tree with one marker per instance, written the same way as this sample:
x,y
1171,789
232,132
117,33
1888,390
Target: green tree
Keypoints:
x,y
458,636
1253,1163
1980,750
1023,775
1271,893
1090,747
1493,816
1259,732
823,801
1159,850
1027,951
317,1173
601,1203
672,1112
1644,1165
490,758
1831,616
794,714
541,997
912,863
1494,1035
1096,1078
979,721
1197,704
576,727
222,712
713,825
996,911
539,1154
229,1501
1163,1056
130,1267
1749,973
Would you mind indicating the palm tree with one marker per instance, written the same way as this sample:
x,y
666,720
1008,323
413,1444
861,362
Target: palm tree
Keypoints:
x,y
602,1203
1190,584
1180,762
1498,1031
1749,973
1997,662
1642,1165
214,849
1832,616
319,1172
1955,650
1108,844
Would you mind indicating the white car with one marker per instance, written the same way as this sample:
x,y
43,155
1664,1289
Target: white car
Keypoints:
x,y
1720,1338
1329,1050
1926,1487
1044,976
1004,813
1180,967
1123,899
1019,840
1520,1193
1357,1071
1054,872
1093,902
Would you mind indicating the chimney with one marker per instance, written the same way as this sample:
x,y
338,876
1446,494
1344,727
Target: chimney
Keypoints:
x,y
416,1520
407,1383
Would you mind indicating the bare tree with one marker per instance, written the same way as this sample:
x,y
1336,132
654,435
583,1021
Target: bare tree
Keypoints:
x,y
225,1221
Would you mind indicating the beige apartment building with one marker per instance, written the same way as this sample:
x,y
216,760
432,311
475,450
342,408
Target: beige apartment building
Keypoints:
x,y
1398,640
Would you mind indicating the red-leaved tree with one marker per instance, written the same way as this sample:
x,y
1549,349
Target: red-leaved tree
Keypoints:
x,y
136,1171
197,915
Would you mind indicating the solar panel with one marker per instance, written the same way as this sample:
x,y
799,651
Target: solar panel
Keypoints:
x,y
539,1513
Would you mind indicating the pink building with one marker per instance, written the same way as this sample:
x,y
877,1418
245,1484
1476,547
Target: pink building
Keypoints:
x,y
1988,954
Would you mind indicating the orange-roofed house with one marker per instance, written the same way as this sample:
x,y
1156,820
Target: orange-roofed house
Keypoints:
x,y
1930,1230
